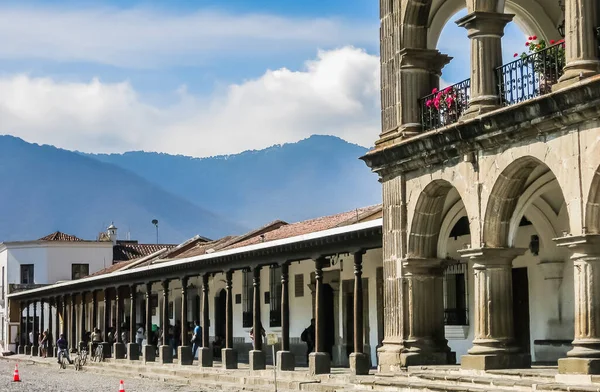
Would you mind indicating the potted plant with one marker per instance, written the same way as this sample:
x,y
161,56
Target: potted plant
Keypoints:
x,y
445,105
546,59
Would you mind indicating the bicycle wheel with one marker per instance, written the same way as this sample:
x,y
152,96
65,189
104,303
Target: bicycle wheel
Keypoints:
x,y
64,362
77,363
84,358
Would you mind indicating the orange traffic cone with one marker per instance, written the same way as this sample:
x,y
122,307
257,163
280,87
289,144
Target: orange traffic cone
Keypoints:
x,y
16,377
121,387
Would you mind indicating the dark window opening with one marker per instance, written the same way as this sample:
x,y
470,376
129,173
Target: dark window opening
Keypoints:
x,y
461,228
26,273
79,271
525,222
456,311
275,298
299,285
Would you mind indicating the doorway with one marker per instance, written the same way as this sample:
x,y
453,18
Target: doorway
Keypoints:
x,y
520,290
220,313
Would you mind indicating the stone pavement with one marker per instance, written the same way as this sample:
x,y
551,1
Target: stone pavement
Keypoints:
x,y
440,378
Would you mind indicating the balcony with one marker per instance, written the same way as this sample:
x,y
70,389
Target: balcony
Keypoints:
x,y
525,78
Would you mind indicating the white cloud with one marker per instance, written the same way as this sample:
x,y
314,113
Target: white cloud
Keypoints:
x,y
337,93
146,37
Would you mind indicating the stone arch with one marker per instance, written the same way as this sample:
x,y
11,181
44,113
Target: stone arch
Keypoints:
x,y
414,16
530,16
504,199
426,223
454,214
592,210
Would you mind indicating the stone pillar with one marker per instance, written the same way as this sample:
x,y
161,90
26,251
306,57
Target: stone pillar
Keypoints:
x,y
64,326
41,322
584,358
83,318
494,345
34,347
20,342
133,350
72,323
94,309
27,330
148,351
418,73
285,358
106,347
184,352
319,361
205,354
165,351
257,356
56,335
485,29
359,361
229,354
581,45
119,348
49,350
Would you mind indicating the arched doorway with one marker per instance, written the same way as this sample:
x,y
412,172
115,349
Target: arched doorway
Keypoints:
x,y
220,313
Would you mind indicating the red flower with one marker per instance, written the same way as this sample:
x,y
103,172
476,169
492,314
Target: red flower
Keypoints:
x,y
448,90
526,43
435,90
552,42
530,38
516,55
535,37
429,103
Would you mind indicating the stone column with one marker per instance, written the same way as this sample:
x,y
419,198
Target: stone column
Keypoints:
x,y
418,73
83,318
581,45
21,342
72,323
485,29
319,361
148,351
119,348
133,350
257,356
56,335
34,347
94,309
27,330
165,351
205,354
285,358
49,350
64,326
359,361
229,354
41,322
184,352
106,347
584,358
494,345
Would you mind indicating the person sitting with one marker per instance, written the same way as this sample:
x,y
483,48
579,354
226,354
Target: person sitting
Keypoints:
x,y
63,348
217,346
96,339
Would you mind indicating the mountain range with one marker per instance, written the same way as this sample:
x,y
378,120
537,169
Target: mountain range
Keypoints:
x,y
48,189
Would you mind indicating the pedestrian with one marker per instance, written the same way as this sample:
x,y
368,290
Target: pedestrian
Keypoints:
x,y
44,344
262,333
139,335
308,336
196,338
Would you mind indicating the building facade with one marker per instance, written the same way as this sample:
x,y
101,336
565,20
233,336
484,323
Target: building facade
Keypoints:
x,y
497,176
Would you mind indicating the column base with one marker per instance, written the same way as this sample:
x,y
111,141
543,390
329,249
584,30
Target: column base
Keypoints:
x,y
579,366
50,351
21,350
148,353
477,109
184,355
229,358
286,361
319,363
205,357
496,361
576,73
34,351
119,350
165,354
133,351
258,360
360,364
106,349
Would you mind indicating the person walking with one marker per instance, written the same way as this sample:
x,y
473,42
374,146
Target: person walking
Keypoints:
x,y
44,344
196,338
308,336
139,335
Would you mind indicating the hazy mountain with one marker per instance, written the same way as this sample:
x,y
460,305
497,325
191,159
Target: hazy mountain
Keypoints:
x,y
47,189
316,176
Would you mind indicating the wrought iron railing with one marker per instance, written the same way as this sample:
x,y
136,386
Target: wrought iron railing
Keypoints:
x,y
444,107
531,76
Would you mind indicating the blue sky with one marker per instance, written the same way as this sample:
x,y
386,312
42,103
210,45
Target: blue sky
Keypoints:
x,y
196,77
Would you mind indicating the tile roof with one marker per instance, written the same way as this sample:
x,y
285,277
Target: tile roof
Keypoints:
x,y
310,226
124,251
58,236
112,268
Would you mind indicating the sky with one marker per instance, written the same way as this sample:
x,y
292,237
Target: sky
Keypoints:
x,y
197,77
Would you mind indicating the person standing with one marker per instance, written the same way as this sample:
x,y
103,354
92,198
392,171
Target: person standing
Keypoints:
x,y
308,336
196,338
139,335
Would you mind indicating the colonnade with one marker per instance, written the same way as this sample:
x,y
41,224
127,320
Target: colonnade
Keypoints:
x,y
73,306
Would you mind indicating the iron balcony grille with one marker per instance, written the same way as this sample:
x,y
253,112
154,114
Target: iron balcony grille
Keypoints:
x,y
446,106
531,76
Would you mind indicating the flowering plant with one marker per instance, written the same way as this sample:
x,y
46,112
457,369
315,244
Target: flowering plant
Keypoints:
x,y
441,100
444,106
547,59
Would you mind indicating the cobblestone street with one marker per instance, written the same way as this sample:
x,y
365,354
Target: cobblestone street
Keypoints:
x,y
40,378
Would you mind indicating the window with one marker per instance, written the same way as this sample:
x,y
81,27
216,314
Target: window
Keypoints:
x,y
299,285
79,271
26,273
247,298
2,286
455,295
275,298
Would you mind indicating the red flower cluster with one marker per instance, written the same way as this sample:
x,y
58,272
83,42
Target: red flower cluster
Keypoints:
x,y
443,99
537,46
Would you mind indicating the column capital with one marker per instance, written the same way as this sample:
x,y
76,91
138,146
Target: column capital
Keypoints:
x,y
430,60
480,24
422,266
580,245
492,257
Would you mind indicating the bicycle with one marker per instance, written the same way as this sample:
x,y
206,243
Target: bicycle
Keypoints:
x,y
62,359
83,355
98,355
